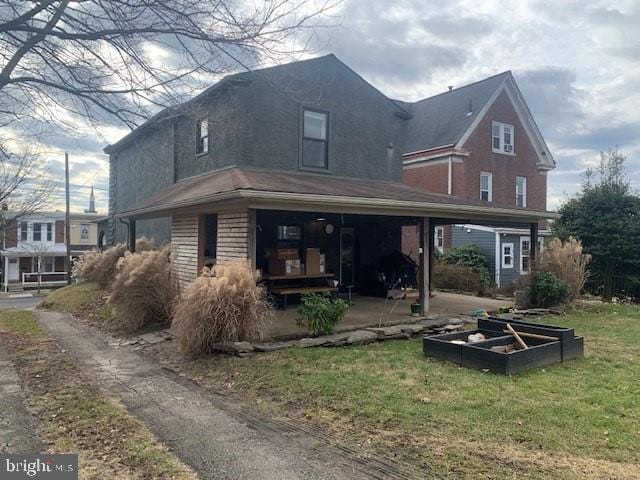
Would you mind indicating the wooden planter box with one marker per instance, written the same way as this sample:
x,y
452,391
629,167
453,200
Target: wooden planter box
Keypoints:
x,y
572,346
440,346
539,354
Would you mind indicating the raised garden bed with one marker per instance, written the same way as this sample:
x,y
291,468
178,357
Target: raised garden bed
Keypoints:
x,y
499,351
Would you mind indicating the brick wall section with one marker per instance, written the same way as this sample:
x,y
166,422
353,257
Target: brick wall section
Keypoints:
x,y
59,231
11,235
504,168
184,249
434,178
236,236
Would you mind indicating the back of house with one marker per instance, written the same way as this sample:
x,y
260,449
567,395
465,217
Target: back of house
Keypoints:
x,y
307,163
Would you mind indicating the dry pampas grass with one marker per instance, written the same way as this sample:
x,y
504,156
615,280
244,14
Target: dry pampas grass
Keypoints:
x,y
568,263
224,304
99,267
142,291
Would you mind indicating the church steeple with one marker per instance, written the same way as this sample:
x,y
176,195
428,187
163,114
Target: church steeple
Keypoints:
x,y
92,203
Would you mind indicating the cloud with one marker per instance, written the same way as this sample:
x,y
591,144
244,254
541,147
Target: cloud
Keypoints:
x,y
575,62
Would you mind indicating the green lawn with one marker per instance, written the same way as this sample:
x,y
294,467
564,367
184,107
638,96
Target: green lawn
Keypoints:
x,y
580,419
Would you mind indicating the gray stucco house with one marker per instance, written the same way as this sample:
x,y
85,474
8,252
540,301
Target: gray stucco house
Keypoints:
x,y
304,160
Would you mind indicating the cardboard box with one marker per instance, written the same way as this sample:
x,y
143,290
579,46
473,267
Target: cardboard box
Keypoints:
x,y
282,253
312,261
284,267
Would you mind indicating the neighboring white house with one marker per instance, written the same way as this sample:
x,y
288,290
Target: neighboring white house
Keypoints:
x,y
34,248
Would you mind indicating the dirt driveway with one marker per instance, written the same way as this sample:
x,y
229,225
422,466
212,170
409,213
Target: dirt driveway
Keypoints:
x,y
217,437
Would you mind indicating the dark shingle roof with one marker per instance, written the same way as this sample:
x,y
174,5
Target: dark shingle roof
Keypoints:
x,y
209,187
442,119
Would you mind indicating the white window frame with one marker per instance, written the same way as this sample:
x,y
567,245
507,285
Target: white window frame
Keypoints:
x,y
503,147
512,255
522,240
202,140
489,186
524,191
438,239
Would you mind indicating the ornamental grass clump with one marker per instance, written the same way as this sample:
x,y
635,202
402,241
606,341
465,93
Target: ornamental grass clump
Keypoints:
x,y
99,267
224,304
568,263
142,291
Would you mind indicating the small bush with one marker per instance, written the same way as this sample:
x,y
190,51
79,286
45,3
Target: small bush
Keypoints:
x,y
99,267
224,304
546,290
461,278
568,263
469,255
320,313
142,291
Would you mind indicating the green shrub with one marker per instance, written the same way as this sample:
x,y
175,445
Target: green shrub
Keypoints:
x,y
469,255
461,278
321,314
546,290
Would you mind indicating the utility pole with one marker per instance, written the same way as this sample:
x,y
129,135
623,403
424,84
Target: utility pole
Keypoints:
x,y
67,263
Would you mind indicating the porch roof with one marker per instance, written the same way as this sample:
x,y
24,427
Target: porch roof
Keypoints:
x,y
304,191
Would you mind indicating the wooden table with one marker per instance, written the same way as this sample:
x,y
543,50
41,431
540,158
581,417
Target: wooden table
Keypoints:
x,y
285,285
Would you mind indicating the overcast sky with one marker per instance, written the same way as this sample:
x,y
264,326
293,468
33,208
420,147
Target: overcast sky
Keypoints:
x,y
578,67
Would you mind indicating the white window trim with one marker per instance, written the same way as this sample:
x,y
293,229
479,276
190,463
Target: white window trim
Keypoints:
x,y
504,265
435,239
199,122
490,185
501,148
524,191
522,240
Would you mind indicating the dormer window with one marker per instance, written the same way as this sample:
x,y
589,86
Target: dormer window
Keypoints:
x,y
202,136
315,143
502,137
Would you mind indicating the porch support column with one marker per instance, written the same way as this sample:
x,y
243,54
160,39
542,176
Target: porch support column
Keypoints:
x,y
424,285
184,249
533,245
6,273
132,235
236,236
432,234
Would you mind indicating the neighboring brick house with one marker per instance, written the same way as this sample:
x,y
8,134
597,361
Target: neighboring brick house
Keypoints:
x,y
38,239
479,142
306,157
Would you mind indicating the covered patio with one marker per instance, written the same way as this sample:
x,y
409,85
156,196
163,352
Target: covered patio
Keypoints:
x,y
374,312
355,225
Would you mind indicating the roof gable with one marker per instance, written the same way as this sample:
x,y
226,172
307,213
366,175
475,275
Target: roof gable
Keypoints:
x,y
443,119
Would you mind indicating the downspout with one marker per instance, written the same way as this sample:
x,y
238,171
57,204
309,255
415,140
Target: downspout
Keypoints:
x,y
450,179
497,262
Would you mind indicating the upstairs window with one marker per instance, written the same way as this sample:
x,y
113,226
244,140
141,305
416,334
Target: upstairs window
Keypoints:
x,y
502,137
507,255
521,192
37,232
24,230
486,186
49,232
438,239
202,136
315,143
